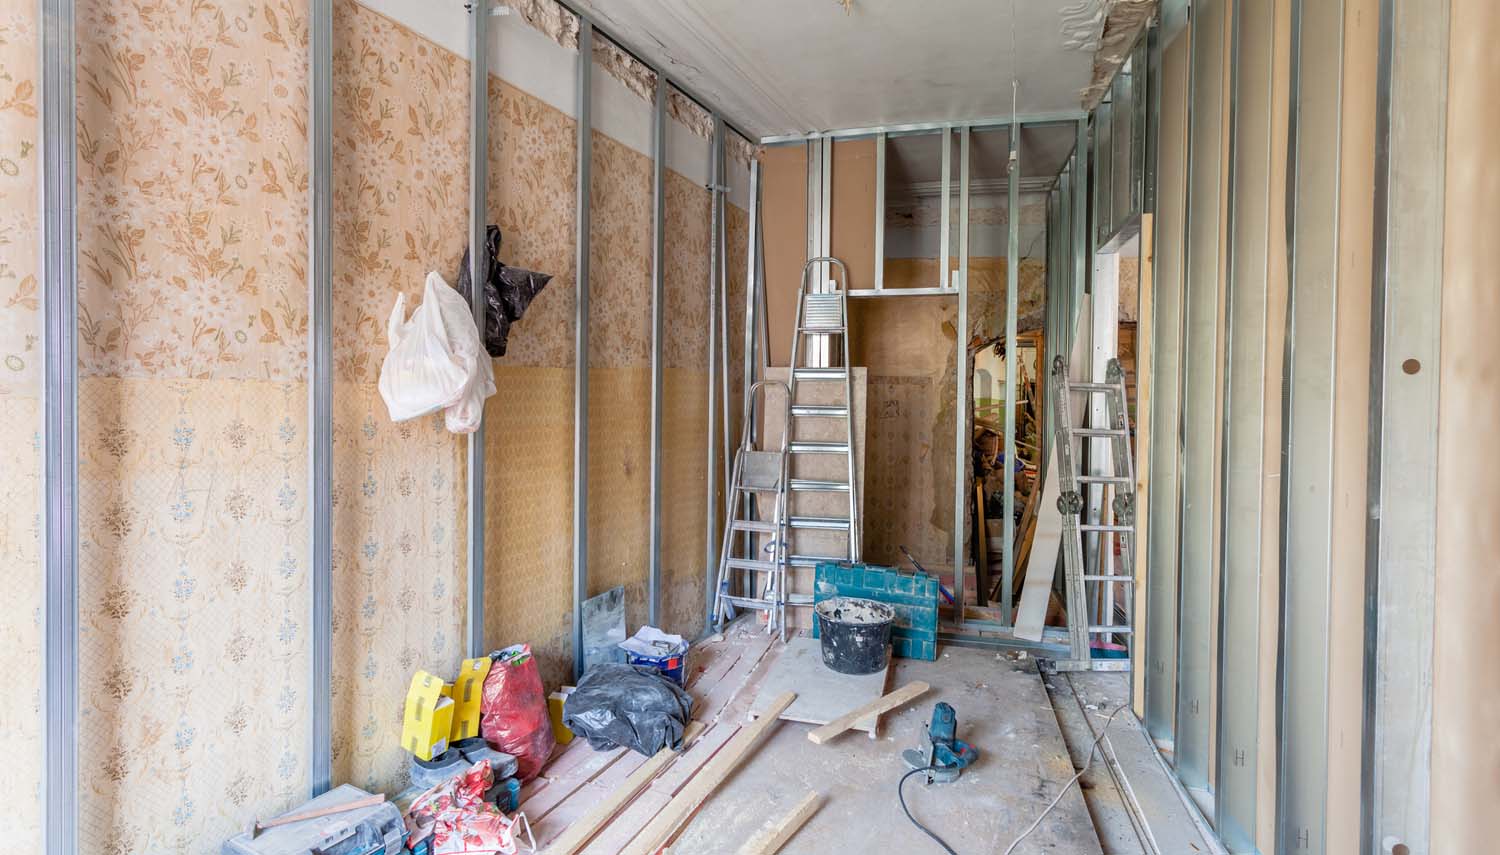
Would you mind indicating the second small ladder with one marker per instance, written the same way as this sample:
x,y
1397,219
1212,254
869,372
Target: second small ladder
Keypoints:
x,y
1120,482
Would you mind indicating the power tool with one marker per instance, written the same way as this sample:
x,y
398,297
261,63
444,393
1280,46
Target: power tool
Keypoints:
x,y
945,755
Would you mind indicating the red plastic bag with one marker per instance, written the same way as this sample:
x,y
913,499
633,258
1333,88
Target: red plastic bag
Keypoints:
x,y
513,711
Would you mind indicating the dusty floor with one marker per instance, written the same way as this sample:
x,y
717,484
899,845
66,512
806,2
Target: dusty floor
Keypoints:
x,y
1002,709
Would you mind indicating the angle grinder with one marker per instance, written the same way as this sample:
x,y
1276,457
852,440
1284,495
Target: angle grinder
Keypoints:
x,y
945,756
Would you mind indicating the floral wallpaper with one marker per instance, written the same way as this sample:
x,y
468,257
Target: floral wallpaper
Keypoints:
x,y
193,435
20,426
400,177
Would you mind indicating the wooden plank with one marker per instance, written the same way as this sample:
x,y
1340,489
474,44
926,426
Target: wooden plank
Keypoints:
x,y
659,830
822,694
882,704
589,824
628,823
560,788
770,840
693,759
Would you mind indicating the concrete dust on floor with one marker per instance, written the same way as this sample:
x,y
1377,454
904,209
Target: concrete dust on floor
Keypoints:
x,y
1002,710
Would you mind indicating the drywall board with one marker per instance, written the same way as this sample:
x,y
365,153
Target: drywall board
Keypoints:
x,y
1253,78
784,201
823,694
852,238
1203,348
1166,439
1464,750
789,66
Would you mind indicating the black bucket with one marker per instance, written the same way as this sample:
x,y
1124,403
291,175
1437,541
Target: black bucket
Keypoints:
x,y
856,634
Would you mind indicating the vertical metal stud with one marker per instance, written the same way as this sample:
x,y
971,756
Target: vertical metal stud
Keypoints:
x,y
1203,343
963,488
1012,356
479,274
585,93
945,247
320,385
1082,241
1308,436
711,542
752,284
658,337
1406,354
880,141
60,427
1242,478
722,199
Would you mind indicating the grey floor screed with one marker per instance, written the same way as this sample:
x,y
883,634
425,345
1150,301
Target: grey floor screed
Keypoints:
x,y
1002,708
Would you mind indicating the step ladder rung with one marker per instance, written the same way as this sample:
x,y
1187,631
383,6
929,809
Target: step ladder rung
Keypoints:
x,y
809,485
1092,387
821,330
809,446
819,374
820,411
1099,432
1091,527
754,488
799,599
820,523
747,602
814,560
752,525
1123,580
1112,630
751,564
1103,479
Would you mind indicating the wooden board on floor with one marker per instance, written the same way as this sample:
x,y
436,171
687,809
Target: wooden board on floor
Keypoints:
x,y
822,693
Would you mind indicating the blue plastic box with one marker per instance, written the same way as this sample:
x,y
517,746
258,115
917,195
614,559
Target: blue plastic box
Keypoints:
x,y
914,597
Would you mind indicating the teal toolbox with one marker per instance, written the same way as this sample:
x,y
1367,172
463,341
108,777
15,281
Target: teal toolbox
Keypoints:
x,y
914,596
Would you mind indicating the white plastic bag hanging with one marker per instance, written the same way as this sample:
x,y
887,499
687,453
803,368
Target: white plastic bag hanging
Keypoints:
x,y
463,415
420,374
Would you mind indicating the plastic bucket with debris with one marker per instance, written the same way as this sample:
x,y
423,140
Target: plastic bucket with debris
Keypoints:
x,y
856,634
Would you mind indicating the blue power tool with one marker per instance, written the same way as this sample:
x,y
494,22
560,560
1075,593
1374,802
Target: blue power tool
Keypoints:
x,y
945,755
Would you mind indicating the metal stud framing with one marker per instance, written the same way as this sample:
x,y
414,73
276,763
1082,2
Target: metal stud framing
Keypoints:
x,y
1242,481
1204,319
711,542
60,428
963,491
1307,468
479,269
585,92
320,386
1405,337
658,339
1012,356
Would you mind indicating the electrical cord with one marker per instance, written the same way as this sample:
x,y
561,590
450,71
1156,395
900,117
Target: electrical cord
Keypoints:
x,y
1058,798
902,796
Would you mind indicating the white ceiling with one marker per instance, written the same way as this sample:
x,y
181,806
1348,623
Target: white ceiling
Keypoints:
x,y
795,66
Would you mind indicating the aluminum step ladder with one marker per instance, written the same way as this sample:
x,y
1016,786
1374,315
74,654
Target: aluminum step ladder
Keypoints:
x,y
753,553
822,317
1120,484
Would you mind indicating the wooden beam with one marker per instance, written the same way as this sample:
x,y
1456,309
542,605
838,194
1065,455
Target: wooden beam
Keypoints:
x,y
770,840
581,832
875,707
660,829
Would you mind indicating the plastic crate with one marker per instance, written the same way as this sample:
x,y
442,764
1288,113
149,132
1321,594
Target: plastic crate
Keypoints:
x,y
913,595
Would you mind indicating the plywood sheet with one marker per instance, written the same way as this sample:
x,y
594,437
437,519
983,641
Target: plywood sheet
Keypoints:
x,y
822,693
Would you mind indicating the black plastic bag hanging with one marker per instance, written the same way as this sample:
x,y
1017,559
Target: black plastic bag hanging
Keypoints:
x,y
628,705
507,292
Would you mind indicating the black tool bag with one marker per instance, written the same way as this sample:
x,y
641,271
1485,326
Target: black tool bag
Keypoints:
x,y
507,292
628,705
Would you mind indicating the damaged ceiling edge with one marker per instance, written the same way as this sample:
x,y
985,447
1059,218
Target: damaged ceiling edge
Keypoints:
x,y
1122,24
561,26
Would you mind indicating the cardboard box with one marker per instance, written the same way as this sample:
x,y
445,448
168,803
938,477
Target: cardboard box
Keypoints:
x,y
467,693
429,717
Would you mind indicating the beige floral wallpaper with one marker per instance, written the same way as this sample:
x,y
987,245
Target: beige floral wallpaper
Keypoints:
x,y
20,427
193,439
